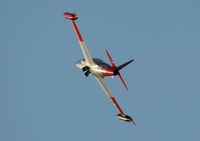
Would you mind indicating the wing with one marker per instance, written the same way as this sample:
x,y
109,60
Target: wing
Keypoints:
x,y
103,85
84,49
121,116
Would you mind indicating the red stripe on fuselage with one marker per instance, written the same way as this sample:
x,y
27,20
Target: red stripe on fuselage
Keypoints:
x,y
116,104
77,31
107,71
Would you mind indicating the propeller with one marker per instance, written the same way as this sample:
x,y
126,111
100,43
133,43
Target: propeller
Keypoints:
x,y
116,69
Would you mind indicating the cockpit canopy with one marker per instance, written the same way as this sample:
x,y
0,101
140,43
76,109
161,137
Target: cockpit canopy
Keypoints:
x,y
98,62
101,63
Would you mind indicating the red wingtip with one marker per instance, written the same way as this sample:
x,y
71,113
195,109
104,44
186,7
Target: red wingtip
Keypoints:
x,y
70,16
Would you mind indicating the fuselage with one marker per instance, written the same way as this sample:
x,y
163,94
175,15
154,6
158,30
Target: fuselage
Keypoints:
x,y
99,68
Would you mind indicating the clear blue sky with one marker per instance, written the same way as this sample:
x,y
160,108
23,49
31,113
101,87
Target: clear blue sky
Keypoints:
x,y
43,96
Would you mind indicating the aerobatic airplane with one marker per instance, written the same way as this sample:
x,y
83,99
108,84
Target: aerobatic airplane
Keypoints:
x,y
98,68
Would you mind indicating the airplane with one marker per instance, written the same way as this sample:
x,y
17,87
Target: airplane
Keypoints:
x,y
98,68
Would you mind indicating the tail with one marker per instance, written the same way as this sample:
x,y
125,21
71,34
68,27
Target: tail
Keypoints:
x,y
116,69
125,64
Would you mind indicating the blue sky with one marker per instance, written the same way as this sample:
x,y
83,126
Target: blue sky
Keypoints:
x,y
43,96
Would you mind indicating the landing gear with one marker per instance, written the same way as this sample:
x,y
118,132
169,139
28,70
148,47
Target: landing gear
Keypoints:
x,y
87,73
86,69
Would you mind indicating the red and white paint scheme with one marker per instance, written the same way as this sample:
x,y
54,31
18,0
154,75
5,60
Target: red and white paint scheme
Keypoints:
x,y
98,68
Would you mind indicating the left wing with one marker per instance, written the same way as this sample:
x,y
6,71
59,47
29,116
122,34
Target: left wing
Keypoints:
x,y
122,116
84,49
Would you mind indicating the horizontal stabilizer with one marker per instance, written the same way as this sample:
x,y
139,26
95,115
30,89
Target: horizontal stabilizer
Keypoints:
x,y
125,64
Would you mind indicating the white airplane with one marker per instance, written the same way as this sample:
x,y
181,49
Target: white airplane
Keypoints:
x,y
98,68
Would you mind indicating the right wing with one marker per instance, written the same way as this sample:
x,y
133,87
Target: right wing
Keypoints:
x,y
103,85
121,116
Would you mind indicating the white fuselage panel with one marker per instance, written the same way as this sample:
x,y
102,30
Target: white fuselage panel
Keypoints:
x,y
94,68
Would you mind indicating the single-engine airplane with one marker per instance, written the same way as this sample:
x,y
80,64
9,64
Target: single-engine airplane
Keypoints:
x,y
98,68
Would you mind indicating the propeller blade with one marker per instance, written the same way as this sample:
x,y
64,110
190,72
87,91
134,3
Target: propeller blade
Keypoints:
x,y
133,122
122,81
112,62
